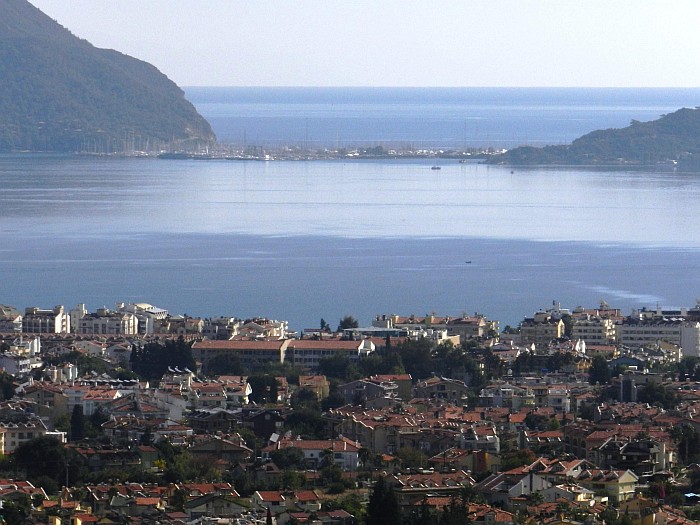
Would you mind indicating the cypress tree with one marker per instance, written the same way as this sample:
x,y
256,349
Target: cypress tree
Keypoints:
x,y
383,509
77,424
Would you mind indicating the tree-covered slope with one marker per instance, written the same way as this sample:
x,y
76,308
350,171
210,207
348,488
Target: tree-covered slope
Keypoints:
x,y
60,93
673,137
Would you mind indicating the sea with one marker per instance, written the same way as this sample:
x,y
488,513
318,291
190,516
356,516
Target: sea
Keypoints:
x,y
308,240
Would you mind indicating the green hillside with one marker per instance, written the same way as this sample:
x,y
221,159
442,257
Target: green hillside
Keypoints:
x,y
673,137
60,93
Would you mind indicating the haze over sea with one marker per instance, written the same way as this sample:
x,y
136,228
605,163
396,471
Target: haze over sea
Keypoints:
x,y
304,240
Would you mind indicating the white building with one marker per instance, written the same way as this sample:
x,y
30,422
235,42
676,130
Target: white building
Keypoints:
x,y
10,319
62,373
308,353
345,452
20,428
76,314
107,322
148,315
38,321
594,330
558,398
636,333
690,339
26,346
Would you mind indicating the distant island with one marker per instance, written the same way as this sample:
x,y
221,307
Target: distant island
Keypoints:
x,y
673,139
60,93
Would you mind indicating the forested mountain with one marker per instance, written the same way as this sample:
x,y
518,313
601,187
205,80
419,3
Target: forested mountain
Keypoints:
x,y
60,93
673,137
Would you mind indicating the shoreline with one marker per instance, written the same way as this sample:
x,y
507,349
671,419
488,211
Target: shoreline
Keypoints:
x,y
486,157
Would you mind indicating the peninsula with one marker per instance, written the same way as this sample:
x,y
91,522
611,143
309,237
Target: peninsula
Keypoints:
x,y
60,93
673,139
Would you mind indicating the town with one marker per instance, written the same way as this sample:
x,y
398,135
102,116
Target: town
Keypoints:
x,y
135,415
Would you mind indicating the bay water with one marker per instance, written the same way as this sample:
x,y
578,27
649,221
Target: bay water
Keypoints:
x,y
427,117
302,241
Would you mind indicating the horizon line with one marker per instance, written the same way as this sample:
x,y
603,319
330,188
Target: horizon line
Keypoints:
x,y
431,87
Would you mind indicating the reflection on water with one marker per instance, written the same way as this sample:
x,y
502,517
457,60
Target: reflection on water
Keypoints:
x,y
77,196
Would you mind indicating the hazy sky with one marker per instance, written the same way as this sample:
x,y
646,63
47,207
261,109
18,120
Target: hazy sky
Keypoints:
x,y
398,42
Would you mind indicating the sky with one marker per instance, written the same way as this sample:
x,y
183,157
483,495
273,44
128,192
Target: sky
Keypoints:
x,y
452,43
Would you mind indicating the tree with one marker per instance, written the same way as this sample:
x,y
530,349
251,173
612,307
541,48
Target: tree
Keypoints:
x,y
154,359
375,363
536,421
559,359
417,357
658,395
553,424
7,385
225,364
494,365
331,474
334,400
454,514
147,436
307,423
264,388
348,322
16,512
184,467
383,508
42,456
599,372
93,428
305,398
517,458
179,499
338,366
423,516
292,479
411,457
536,498
49,485
568,321
365,457
687,440
351,503
288,458
77,424
689,368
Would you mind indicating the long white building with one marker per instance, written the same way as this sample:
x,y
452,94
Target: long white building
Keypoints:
x,y
109,323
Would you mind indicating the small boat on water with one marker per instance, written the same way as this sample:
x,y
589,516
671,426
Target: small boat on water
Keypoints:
x,y
436,168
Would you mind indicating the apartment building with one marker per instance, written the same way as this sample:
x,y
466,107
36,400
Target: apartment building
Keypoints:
x,y
45,321
308,353
541,329
594,330
106,322
253,355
